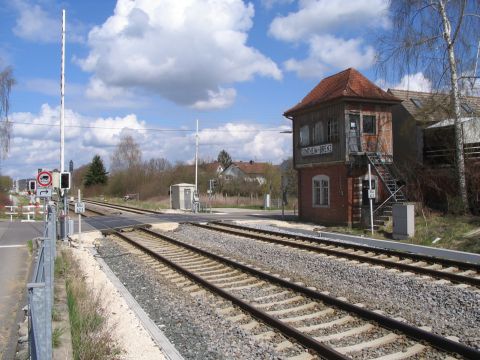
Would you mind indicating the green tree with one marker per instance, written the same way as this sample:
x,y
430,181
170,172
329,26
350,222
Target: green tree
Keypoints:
x,y
96,173
224,159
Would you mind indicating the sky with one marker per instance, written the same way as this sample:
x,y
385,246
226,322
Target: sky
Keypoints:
x,y
151,68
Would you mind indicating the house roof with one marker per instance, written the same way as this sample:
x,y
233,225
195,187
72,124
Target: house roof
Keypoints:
x,y
430,107
451,122
251,168
348,83
213,166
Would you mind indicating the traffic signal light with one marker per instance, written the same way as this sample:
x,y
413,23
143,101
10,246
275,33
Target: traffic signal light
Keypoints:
x,y
65,180
32,185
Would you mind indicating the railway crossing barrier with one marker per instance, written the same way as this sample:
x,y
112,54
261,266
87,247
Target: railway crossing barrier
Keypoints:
x,y
12,211
28,210
40,292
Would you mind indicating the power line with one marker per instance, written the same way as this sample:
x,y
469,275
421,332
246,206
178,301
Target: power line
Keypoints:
x,y
147,129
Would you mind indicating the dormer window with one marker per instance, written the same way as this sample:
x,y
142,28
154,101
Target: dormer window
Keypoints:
x,y
467,108
417,102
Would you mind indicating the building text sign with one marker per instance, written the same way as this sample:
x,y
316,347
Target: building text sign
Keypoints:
x,y
317,150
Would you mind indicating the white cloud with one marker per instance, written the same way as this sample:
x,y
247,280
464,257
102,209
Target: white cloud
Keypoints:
x,y
317,17
36,138
98,90
189,52
34,23
415,82
217,100
35,143
412,82
245,141
107,132
330,52
325,26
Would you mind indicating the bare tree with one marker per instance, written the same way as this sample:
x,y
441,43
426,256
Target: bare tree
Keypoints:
x,y
6,83
439,38
127,155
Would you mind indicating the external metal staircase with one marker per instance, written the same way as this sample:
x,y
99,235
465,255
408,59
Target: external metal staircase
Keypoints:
x,y
389,175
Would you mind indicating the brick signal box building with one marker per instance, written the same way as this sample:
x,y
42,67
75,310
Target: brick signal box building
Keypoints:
x,y
341,126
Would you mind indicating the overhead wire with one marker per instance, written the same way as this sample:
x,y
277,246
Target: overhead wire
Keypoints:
x,y
151,129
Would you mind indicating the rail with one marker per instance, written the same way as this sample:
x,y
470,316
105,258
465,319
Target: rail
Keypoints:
x,y
40,293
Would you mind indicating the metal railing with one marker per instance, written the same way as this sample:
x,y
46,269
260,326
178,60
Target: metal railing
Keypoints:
x,y
385,202
40,292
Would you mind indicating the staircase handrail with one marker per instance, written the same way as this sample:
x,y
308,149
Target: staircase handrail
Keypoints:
x,y
393,194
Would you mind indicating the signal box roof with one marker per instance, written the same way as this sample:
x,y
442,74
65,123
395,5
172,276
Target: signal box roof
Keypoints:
x,y
348,83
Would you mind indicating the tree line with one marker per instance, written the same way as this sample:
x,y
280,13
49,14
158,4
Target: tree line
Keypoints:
x,y
151,179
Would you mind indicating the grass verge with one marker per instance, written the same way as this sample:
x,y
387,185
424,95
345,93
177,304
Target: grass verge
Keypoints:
x,y
30,246
91,334
454,232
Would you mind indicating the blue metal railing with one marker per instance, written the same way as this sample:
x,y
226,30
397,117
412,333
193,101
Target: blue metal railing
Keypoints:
x,y
40,292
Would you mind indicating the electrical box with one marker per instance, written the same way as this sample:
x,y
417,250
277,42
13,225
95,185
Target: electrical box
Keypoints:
x,y
403,221
65,180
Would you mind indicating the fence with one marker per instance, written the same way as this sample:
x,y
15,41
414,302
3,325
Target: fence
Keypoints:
x,y
40,293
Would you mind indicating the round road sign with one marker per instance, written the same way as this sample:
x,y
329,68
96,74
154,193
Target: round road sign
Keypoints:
x,y
44,178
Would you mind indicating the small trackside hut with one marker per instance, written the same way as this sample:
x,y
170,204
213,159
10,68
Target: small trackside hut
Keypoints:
x,y
182,196
341,126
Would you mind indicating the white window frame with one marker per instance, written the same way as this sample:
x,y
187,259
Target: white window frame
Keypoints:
x,y
304,135
320,183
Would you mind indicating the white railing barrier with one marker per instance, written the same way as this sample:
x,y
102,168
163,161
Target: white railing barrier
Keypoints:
x,y
12,211
30,212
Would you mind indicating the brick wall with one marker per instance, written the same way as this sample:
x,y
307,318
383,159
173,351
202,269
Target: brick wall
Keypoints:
x,y
339,211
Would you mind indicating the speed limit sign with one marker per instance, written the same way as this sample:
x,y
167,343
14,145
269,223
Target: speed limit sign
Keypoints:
x,y
44,178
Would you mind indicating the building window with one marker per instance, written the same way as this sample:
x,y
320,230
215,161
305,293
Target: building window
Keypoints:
x,y
332,130
304,136
369,124
318,133
321,191
467,108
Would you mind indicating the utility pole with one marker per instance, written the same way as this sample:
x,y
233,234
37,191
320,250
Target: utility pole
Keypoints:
x,y
370,198
195,197
63,193
196,159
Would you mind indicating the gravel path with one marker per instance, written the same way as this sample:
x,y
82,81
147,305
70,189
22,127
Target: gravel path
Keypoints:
x,y
448,310
190,323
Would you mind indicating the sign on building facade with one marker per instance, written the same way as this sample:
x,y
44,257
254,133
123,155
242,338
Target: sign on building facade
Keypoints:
x,y
317,150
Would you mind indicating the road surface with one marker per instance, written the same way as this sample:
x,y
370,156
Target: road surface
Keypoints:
x,y
14,268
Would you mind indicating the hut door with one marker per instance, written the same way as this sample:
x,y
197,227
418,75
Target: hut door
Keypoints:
x,y
354,133
187,198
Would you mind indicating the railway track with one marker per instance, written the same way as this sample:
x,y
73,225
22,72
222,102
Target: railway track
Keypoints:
x,y
330,327
130,209
454,271
88,212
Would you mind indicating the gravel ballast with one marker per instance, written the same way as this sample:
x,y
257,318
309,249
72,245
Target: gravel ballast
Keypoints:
x,y
448,310
191,323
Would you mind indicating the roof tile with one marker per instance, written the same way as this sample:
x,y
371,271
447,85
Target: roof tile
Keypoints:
x,y
347,83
